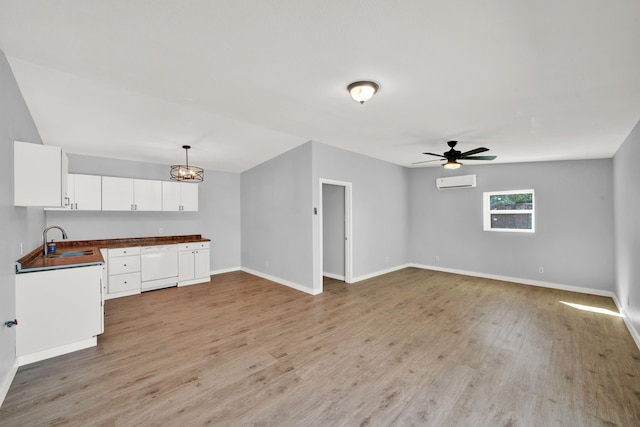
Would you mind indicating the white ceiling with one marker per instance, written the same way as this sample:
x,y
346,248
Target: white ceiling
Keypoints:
x,y
242,81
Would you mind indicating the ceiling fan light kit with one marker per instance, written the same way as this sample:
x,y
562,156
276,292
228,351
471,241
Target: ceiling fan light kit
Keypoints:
x,y
362,91
452,156
186,172
451,164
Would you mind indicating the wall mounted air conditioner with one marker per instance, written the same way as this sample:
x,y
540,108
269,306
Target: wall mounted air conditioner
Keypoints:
x,y
462,181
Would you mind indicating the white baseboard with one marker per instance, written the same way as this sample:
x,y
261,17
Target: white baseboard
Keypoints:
x,y
550,285
225,270
58,351
333,276
7,380
293,285
205,280
632,330
194,281
122,294
380,273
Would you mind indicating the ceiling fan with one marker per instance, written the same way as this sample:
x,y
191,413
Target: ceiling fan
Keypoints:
x,y
452,156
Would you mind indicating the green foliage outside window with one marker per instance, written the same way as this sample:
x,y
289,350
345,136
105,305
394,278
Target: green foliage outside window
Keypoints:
x,y
519,201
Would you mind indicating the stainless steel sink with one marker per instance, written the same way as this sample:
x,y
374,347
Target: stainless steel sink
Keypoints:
x,y
69,254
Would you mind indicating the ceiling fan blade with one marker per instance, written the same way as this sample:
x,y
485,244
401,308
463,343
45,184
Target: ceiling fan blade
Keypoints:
x,y
480,158
437,155
426,161
472,152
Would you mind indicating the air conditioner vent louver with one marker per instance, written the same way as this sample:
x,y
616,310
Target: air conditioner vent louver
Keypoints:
x,y
462,181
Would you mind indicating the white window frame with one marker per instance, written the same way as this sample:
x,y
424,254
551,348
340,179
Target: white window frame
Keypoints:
x,y
487,212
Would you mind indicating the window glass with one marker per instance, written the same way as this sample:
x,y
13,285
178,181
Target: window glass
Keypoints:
x,y
509,211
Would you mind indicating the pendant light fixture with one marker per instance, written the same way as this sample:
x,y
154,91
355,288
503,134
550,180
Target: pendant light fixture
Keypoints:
x,y
362,91
185,172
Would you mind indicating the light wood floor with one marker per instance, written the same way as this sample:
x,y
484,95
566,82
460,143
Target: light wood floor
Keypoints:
x,y
413,347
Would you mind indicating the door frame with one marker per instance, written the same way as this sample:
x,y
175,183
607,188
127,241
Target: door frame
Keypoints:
x,y
348,228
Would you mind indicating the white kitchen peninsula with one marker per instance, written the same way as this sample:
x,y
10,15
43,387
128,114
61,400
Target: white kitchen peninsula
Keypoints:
x,y
59,310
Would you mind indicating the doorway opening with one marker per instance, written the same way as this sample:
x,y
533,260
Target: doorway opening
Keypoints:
x,y
335,230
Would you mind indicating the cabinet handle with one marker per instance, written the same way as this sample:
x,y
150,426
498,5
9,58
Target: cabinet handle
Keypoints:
x,y
68,200
125,265
76,206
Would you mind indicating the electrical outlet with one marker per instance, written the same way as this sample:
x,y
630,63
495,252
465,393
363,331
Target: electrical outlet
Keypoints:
x,y
161,230
437,258
387,260
21,248
266,263
628,302
541,270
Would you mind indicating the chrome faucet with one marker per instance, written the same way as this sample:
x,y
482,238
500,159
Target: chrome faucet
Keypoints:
x,y
44,237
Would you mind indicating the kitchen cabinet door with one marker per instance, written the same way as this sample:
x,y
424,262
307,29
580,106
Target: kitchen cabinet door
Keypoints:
x,y
201,264
186,265
87,192
193,263
117,194
189,197
170,196
40,175
178,196
84,193
147,195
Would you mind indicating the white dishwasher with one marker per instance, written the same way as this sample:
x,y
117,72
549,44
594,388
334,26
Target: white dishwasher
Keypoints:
x,y
158,266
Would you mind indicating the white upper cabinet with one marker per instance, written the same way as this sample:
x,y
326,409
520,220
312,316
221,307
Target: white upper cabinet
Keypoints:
x,y
170,196
117,194
40,175
87,192
147,195
127,194
189,197
178,196
83,193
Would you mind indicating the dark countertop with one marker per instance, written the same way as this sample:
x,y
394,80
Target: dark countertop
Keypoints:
x,y
35,260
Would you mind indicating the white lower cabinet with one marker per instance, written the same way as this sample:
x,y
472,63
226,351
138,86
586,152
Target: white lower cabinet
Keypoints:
x,y
123,272
130,271
193,263
60,311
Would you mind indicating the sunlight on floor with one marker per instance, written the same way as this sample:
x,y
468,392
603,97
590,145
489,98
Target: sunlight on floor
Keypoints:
x,y
592,309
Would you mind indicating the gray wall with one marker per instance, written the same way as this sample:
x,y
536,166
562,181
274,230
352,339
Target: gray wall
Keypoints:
x,y
19,225
333,231
380,214
218,216
626,178
573,241
277,216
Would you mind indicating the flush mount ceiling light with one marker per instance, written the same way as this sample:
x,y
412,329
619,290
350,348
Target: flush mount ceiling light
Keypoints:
x,y
186,172
362,91
451,164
